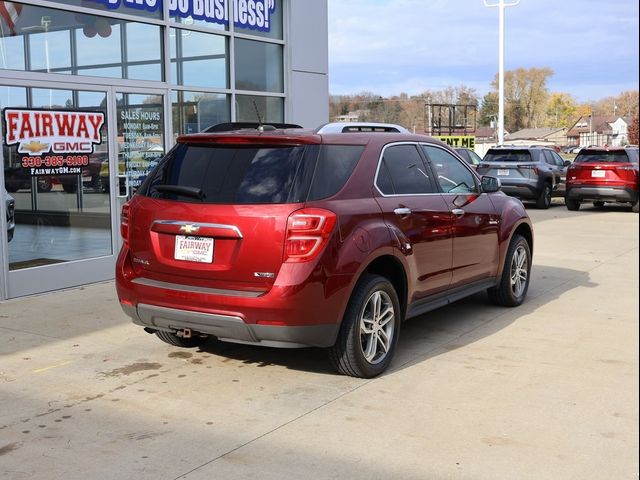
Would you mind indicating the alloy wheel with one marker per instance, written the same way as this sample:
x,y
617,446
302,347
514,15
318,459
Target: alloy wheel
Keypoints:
x,y
519,271
377,323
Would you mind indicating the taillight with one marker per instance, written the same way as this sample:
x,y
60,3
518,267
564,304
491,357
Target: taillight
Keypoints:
x,y
124,223
533,168
308,231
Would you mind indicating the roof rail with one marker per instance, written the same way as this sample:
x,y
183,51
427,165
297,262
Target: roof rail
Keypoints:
x,y
358,127
231,126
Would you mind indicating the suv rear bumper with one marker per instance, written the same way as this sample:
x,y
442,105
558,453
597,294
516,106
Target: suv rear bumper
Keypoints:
x,y
602,193
526,189
307,314
231,328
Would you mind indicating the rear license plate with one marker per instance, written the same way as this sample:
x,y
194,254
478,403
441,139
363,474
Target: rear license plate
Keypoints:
x,y
194,249
503,173
597,173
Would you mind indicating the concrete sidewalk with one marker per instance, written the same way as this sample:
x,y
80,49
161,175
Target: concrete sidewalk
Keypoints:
x,y
547,390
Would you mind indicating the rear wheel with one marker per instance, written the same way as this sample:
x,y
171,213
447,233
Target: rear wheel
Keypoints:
x,y
370,329
175,340
514,282
544,200
598,204
634,207
572,204
44,184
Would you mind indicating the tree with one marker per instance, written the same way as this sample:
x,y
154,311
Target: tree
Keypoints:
x,y
561,110
632,131
526,93
488,109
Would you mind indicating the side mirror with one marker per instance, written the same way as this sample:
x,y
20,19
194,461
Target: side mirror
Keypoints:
x,y
567,163
490,184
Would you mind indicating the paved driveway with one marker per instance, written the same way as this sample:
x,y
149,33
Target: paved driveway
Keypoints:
x,y
547,390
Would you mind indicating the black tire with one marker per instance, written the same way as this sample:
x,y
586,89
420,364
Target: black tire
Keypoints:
x,y
635,208
598,204
173,339
572,205
348,355
506,293
544,199
44,184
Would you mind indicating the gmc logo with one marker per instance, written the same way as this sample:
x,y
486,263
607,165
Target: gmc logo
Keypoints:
x,y
80,147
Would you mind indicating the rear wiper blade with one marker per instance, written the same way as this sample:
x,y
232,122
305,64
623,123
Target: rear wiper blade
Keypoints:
x,y
194,192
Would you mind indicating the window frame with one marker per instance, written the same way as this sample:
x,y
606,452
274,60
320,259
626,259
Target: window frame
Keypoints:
x,y
434,185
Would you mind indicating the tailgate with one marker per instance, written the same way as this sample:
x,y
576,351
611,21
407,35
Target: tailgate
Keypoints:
x,y
241,246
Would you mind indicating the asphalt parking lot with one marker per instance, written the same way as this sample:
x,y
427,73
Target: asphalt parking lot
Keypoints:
x,y
548,390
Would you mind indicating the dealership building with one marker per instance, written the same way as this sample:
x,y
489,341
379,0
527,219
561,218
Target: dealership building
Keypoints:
x,y
93,92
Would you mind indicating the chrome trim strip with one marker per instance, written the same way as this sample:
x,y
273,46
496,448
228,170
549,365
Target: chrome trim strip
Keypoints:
x,y
147,282
200,225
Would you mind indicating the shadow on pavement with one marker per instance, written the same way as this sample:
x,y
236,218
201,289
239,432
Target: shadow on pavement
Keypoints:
x,y
428,335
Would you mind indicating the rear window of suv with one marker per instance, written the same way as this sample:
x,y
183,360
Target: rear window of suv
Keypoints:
x,y
233,174
602,156
507,156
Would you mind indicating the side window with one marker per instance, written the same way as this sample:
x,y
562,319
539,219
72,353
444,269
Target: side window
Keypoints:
x,y
402,172
453,177
558,159
334,167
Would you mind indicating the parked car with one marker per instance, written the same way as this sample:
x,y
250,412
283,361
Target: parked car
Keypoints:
x,y
529,173
602,175
469,156
10,210
296,238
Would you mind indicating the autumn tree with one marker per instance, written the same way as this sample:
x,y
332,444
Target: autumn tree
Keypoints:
x,y
632,131
525,94
562,110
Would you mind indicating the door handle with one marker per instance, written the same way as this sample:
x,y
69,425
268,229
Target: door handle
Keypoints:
x,y
458,212
402,211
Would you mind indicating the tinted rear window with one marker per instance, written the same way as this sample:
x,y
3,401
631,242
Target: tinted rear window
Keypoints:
x,y
600,156
233,174
507,156
252,175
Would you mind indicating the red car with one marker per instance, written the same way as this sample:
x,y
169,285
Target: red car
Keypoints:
x,y
326,238
602,175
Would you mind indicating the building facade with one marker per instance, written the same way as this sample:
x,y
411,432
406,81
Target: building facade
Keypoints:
x,y
93,92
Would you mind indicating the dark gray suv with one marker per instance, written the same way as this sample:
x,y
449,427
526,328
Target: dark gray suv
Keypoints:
x,y
529,173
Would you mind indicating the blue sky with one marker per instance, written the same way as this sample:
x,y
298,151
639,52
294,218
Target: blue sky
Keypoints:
x,y
393,46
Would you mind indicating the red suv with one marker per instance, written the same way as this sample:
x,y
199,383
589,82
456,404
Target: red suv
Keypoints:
x,y
326,238
602,175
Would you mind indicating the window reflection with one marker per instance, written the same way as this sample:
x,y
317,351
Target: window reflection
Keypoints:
x,y
198,59
258,66
271,109
55,41
195,111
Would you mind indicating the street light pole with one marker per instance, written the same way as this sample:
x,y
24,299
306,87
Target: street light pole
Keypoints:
x,y
501,6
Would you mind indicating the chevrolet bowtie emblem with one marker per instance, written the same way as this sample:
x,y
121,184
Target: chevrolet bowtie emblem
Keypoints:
x,y
189,228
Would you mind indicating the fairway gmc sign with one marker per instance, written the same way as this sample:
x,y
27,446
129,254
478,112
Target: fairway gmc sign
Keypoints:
x,y
38,132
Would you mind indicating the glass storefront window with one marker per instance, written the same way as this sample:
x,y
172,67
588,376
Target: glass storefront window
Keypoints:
x,y
199,59
271,109
266,23
56,41
195,111
60,216
143,8
259,66
140,135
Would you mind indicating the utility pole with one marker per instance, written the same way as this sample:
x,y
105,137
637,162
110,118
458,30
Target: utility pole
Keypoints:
x,y
501,6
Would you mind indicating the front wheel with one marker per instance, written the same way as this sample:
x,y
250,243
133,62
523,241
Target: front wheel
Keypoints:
x,y
516,273
598,204
370,329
